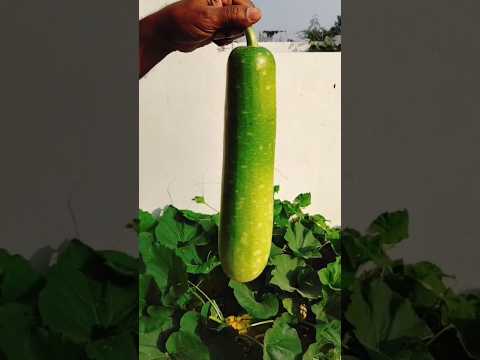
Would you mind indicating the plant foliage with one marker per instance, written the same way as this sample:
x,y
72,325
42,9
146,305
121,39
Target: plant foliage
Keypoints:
x,y
322,39
325,294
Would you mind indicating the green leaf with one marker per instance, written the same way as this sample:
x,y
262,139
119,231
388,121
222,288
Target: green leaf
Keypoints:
x,y
303,200
281,342
329,333
205,310
190,322
285,272
206,221
286,318
167,269
206,267
331,275
291,209
264,309
302,242
289,305
16,321
280,215
19,278
148,349
403,349
319,309
308,283
358,250
428,287
459,307
151,353
144,282
314,352
112,348
390,228
170,231
67,304
199,199
322,228
159,320
189,255
47,345
382,316
78,256
194,264
116,303
184,300
184,345
120,262
146,221
275,250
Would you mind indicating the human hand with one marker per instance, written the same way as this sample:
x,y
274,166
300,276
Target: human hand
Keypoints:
x,y
189,24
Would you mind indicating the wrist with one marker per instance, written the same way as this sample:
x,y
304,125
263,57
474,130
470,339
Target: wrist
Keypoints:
x,y
154,44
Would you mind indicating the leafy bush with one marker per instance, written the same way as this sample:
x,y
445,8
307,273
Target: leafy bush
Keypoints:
x,y
393,310
190,310
84,306
318,298
321,39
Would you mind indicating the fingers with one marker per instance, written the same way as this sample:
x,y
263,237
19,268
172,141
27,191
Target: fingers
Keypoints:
x,y
227,39
238,2
236,16
215,3
233,33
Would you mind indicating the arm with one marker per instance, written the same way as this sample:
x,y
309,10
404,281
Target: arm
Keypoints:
x,y
153,48
189,24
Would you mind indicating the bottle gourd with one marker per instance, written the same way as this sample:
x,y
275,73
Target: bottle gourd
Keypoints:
x,y
246,215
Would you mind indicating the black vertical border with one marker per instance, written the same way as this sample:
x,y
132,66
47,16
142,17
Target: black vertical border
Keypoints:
x,y
69,119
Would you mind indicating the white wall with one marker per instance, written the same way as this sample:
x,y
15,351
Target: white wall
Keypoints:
x,y
181,129
146,7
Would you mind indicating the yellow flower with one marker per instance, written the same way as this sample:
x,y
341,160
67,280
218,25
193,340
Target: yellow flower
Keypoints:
x,y
239,323
303,311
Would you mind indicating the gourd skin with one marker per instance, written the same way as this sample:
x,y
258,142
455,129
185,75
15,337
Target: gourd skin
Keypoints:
x,y
246,216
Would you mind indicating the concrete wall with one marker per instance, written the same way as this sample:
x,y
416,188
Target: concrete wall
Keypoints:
x,y
146,7
181,129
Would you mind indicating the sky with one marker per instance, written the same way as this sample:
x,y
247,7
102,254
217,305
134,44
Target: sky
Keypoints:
x,y
294,16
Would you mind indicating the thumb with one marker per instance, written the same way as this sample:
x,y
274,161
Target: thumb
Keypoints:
x,y
237,16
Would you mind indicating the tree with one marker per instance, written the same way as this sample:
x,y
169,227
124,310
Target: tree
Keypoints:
x,y
321,39
336,29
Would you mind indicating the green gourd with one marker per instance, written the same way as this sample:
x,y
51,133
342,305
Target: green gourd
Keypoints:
x,y
246,215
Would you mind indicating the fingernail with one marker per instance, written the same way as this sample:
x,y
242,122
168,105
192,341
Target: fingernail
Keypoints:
x,y
253,14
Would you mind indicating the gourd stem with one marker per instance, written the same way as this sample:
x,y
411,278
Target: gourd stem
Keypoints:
x,y
251,37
